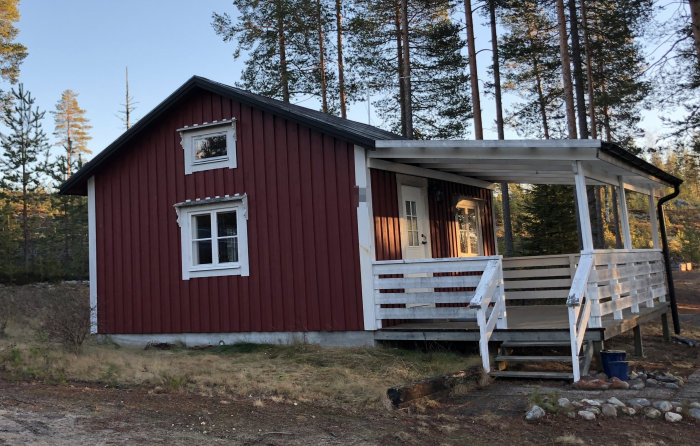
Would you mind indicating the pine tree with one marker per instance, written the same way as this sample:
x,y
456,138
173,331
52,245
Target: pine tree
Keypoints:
x,y
22,147
439,102
273,33
529,53
71,130
12,54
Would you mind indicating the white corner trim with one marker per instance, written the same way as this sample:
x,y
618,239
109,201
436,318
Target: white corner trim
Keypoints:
x,y
365,232
92,252
189,134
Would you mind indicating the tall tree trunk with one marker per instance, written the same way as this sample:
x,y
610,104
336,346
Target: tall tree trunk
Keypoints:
x,y
589,71
473,76
540,98
616,219
695,25
578,71
25,217
566,70
505,196
341,68
406,70
322,57
284,72
399,68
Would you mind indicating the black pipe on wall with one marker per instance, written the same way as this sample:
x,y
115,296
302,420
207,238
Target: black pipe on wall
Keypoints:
x,y
667,256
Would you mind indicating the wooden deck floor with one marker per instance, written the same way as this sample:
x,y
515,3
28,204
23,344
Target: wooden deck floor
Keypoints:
x,y
532,322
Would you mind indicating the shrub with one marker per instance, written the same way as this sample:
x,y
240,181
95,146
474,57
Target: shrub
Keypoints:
x,y
6,309
67,317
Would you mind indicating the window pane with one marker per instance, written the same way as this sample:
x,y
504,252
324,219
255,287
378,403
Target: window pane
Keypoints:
x,y
226,224
228,250
210,146
461,219
474,248
201,252
201,226
471,217
463,248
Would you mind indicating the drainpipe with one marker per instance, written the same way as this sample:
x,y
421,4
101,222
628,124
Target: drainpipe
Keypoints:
x,y
667,256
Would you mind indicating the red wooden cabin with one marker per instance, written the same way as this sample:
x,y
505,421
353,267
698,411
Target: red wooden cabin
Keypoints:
x,y
225,216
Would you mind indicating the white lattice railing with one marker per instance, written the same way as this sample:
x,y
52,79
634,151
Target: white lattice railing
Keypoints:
x,y
579,303
463,289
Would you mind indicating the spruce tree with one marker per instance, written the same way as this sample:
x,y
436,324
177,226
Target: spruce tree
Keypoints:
x,y
549,220
22,146
12,54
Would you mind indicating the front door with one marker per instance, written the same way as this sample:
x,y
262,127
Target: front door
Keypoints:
x,y
415,227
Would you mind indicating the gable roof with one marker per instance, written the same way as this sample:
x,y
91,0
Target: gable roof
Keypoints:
x,y
354,132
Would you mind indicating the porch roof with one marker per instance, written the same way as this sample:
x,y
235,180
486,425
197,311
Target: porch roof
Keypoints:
x,y
526,161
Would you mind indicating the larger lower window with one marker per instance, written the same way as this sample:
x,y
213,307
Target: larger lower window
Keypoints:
x,y
214,237
209,146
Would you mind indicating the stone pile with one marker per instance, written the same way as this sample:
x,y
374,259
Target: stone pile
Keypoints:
x,y
637,381
590,409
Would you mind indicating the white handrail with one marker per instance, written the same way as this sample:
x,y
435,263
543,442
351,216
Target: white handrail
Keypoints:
x,y
490,290
578,315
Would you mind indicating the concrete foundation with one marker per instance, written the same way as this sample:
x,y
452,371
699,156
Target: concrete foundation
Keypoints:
x,y
325,338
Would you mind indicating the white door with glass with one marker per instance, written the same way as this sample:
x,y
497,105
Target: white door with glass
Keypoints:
x,y
415,227
469,240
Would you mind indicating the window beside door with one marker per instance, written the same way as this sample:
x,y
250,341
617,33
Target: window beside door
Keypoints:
x,y
468,229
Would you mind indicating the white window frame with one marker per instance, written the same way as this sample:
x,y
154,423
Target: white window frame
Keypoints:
x,y
187,210
477,206
188,136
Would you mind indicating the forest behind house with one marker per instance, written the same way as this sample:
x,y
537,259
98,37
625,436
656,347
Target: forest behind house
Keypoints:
x,y
557,69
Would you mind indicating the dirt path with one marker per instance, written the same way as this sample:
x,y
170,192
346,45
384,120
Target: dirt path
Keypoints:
x,y
39,414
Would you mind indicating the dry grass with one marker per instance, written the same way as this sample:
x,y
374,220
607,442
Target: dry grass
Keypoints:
x,y
298,373
569,439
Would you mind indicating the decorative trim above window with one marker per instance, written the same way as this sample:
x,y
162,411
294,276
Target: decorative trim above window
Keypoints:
x,y
207,146
214,236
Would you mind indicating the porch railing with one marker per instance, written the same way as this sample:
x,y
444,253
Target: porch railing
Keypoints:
x,y
610,282
456,289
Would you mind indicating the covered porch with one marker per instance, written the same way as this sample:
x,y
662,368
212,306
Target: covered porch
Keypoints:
x,y
574,299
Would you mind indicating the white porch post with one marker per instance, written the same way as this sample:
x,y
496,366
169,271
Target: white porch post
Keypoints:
x,y
92,252
365,231
653,220
624,216
582,203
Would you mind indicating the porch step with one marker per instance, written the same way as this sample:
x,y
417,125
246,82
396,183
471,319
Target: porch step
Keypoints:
x,y
517,358
514,344
532,374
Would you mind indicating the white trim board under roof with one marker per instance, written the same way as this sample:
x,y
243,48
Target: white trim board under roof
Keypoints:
x,y
527,161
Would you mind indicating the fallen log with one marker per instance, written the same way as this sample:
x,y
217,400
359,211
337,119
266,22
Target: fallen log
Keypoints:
x,y
403,394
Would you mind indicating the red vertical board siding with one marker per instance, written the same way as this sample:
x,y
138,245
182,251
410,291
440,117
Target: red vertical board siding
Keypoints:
x,y
302,228
442,201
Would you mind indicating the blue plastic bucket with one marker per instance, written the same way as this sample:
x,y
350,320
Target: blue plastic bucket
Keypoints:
x,y
608,356
619,370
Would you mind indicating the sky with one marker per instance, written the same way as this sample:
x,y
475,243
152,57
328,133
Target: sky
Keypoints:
x,y
86,45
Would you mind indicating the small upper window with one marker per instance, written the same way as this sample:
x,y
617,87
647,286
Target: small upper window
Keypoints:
x,y
209,146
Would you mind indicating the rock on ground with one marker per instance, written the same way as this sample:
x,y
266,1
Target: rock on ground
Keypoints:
x,y
673,417
628,411
609,410
588,402
663,406
535,413
586,415
639,402
695,412
652,413
563,402
615,402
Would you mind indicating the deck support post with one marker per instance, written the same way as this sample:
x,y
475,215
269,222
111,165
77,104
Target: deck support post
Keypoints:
x,y
598,347
624,215
638,347
664,327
